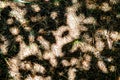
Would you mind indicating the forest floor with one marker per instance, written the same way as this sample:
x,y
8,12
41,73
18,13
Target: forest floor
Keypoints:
x,y
59,39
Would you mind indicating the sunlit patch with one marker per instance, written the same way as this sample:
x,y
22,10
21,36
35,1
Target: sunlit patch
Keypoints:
x,y
74,1
27,28
14,69
4,46
26,65
60,41
109,59
34,19
87,57
82,28
48,78
20,4
24,51
105,7
4,49
53,15
56,49
72,19
112,68
14,30
36,7
84,47
19,38
16,75
65,63
89,20
47,55
61,74
53,62
35,68
46,0
56,3
105,34
114,1
3,4
34,48
31,49
99,45
38,68
34,77
31,38
86,62
90,4
10,21
115,36
71,74
81,18
18,14
85,65
118,15
74,61
87,38
44,42
102,66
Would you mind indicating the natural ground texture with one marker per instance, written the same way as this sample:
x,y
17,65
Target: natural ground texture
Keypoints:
x,y
60,40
